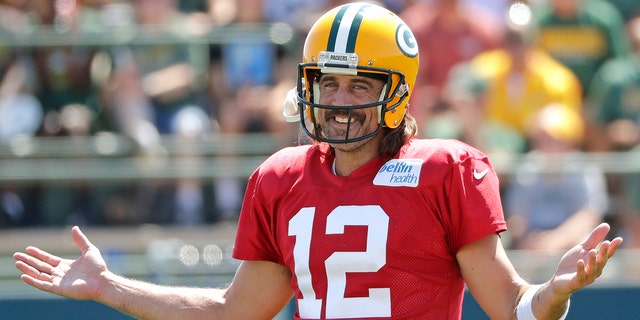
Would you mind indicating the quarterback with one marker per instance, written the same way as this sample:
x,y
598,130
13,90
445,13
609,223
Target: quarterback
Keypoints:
x,y
367,222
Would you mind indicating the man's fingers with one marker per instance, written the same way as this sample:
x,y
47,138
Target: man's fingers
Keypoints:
x,y
594,265
33,272
42,255
43,285
34,262
581,274
615,244
598,257
597,235
82,242
604,253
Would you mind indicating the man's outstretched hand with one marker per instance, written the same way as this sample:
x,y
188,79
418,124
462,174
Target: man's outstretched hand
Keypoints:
x,y
583,264
76,279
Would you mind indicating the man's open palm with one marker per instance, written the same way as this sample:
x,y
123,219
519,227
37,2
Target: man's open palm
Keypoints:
x,y
77,279
584,263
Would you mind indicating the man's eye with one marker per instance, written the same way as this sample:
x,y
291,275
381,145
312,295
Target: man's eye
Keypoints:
x,y
329,85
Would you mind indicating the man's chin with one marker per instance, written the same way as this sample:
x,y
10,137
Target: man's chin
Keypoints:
x,y
351,145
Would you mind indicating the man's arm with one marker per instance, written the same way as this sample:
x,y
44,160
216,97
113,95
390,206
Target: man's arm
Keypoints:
x,y
490,277
497,287
259,290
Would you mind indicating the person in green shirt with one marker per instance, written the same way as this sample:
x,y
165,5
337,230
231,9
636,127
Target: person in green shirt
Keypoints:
x,y
581,34
613,106
613,102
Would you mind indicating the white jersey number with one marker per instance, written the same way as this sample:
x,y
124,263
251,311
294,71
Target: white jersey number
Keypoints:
x,y
378,303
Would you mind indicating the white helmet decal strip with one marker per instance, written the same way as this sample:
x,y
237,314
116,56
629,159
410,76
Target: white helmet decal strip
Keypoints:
x,y
345,29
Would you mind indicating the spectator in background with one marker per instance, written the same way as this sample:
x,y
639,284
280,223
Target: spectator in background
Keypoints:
x,y
613,102
160,80
497,93
244,80
581,34
449,31
554,196
69,87
246,70
614,109
157,89
67,74
21,112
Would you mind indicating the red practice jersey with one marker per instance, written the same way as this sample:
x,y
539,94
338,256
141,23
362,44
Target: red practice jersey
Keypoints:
x,y
379,243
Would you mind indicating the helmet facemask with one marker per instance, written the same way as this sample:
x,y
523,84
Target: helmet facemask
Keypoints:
x,y
308,99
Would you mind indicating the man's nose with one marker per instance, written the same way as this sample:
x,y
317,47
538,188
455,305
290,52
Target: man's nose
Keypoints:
x,y
342,96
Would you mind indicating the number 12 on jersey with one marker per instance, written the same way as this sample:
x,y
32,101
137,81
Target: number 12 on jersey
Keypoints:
x,y
338,264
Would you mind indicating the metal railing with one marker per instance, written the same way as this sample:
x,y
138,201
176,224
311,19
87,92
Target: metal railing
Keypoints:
x,y
111,157
40,36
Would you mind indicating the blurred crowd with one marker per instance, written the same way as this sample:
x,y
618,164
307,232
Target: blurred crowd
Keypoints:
x,y
546,81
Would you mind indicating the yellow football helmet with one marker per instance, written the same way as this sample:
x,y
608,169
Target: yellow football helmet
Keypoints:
x,y
358,39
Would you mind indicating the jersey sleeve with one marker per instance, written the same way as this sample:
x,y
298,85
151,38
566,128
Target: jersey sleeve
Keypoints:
x,y
254,238
262,207
473,196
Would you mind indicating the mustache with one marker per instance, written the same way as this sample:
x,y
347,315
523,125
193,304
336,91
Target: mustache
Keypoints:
x,y
352,114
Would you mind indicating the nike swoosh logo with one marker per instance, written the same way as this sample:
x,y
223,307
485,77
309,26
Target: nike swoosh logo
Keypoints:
x,y
479,175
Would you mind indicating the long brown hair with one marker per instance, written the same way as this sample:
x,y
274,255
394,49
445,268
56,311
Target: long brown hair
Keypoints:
x,y
395,138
